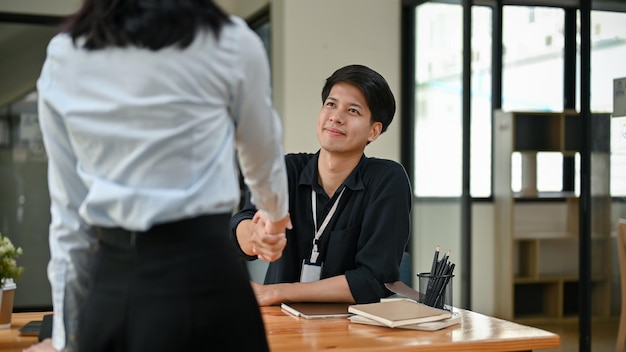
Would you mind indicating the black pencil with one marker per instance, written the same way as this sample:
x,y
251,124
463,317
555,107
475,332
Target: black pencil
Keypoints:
x,y
442,265
433,270
435,259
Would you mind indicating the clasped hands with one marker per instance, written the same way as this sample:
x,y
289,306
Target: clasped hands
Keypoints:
x,y
269,238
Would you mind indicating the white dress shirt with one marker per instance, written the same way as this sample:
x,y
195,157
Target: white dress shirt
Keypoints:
x,y
137,137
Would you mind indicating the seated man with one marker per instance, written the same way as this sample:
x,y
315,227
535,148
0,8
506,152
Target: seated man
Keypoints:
x,y
350,213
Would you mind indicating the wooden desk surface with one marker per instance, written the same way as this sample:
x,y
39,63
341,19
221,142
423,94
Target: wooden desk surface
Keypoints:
x,y
10,339
476,332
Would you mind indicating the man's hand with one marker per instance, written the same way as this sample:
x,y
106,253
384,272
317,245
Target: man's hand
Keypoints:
x,y
267,295
43,346
268,238
277,227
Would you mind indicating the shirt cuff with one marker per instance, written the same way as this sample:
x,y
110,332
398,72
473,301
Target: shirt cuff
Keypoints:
x,y
234,222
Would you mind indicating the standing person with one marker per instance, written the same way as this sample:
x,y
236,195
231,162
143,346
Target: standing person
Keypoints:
x,y
350,213
143,105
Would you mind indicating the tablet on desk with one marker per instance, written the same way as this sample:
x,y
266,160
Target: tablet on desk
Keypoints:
x,y
317,310
31,328
40,328
46,327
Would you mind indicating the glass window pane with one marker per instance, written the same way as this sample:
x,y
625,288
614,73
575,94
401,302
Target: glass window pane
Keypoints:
x,y
532,72
439,58
532,77
608,49
608,46
618,157
438,115
480,149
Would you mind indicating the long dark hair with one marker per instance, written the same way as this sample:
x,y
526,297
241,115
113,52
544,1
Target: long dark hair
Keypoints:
x,y
152,24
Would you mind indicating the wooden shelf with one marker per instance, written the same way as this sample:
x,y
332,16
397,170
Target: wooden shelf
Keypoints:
x,y
537,241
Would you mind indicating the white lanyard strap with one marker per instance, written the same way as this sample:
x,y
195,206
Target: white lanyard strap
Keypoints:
x,y
318,232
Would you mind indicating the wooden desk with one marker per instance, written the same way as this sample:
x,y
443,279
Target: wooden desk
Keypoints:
x,y
476,332
10,339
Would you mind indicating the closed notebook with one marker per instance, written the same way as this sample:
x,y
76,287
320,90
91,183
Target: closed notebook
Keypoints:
x,y
315,310
427,326
400,312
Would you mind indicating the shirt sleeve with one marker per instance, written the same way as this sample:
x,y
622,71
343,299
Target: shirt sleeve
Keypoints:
x,y
384,234
70,239
259,130
246,212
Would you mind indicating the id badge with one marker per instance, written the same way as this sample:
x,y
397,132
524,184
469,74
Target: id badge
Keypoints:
x,y
310,272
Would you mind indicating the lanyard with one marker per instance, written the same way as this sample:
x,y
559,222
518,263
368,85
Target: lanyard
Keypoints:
x,y
318,232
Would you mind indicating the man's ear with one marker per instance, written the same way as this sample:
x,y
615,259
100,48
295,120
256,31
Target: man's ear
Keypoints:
x,y
375,131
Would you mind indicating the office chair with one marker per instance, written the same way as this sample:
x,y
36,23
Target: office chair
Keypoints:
x,y
621,253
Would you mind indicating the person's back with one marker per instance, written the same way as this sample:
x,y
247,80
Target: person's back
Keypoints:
x,y
143,105
126,109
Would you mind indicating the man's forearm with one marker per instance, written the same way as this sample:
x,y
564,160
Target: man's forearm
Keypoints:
x,y
333,289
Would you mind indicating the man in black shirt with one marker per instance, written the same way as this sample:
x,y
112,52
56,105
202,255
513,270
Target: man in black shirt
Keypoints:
x,y
350,213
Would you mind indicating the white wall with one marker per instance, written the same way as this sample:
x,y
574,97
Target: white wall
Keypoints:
x,y
310,40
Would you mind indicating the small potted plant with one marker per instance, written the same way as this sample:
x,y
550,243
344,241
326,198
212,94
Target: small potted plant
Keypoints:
x,y
9,272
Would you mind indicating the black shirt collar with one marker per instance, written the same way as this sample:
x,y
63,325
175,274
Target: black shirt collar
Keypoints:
x,y
308,176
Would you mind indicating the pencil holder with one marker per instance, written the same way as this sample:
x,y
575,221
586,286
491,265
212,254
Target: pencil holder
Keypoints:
x,y
436,290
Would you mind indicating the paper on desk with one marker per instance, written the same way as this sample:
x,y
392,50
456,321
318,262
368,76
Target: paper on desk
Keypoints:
x,y
426,326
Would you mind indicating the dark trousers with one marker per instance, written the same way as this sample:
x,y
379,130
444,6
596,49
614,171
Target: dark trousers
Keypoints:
x,y
179,286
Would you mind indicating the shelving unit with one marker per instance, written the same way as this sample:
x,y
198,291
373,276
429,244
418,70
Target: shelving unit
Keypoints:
x,y
537,237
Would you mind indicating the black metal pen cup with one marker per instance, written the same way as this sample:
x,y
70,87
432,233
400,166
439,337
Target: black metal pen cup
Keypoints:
x,y
436,290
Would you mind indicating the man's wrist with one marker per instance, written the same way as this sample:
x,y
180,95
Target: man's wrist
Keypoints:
x,y
243,233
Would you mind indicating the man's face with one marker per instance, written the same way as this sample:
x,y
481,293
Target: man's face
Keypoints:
x,y
345,121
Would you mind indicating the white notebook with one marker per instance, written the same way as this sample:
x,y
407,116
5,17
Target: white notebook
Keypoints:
x,y
399,312
427,326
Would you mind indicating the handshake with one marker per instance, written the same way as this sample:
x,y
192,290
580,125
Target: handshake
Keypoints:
x,y
262,237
